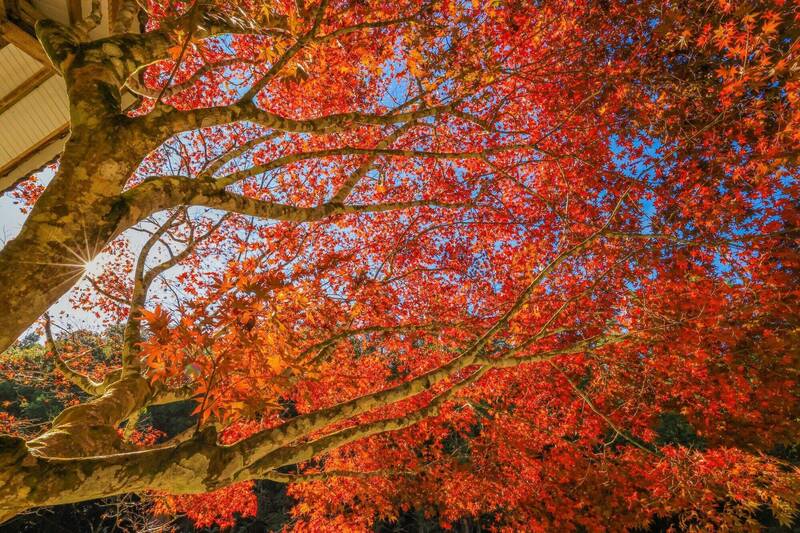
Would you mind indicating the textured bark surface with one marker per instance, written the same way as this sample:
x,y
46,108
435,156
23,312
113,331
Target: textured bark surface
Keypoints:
x,y
82,456
81,211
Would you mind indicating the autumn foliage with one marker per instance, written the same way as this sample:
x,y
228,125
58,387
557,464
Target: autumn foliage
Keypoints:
x,y
584,211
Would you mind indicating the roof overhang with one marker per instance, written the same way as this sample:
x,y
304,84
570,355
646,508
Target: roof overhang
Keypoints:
x,y
34,107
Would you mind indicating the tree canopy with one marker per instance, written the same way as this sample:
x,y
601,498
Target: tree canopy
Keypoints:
x,y
532,261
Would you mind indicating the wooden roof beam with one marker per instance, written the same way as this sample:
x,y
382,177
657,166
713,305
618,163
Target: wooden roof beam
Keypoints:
x,y
24,12
8,179
25,42
23,89
75,10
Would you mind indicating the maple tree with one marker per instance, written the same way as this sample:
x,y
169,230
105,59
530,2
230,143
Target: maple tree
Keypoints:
x,y
528,260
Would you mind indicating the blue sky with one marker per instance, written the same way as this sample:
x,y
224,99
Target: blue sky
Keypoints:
x,y
11,217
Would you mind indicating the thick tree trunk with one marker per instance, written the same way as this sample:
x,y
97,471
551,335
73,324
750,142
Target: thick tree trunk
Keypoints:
x,y
75,217
82,456
81,210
